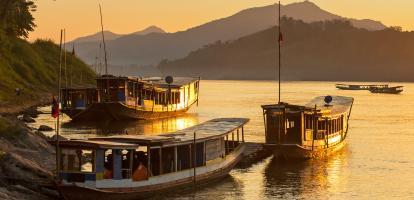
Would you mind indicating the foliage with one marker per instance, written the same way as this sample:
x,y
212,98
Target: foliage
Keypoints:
x,y
16,18
34,68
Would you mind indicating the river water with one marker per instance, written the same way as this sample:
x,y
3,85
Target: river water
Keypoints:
x,y
377,163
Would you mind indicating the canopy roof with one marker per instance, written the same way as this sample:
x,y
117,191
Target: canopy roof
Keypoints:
x,y
211,129
339,105
89,144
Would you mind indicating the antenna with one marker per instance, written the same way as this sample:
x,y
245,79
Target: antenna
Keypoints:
x,y
103,40
279,40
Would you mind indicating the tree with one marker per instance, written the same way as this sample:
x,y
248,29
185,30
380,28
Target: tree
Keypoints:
x,y
16,19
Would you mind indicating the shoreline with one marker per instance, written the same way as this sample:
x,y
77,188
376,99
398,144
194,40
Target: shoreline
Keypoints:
x,y
26,158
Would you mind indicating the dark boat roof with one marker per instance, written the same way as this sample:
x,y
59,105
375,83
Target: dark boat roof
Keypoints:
x,y
370,85
90,144
178,81
339,105
208,130
156,81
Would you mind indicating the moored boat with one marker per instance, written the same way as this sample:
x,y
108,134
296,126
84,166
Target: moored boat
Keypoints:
x,y
387,90
130,98
132,167
314,130
358,87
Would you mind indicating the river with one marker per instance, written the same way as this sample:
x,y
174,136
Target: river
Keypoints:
x,y
377,163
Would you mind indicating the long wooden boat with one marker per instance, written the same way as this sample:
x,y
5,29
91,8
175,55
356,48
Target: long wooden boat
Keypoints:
x,y
316,129
133,167
130,98
387,90
358,87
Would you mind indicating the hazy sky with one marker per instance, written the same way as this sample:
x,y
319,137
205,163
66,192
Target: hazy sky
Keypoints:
x,y
81,17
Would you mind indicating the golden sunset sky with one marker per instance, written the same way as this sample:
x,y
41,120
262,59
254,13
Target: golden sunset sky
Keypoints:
x,y
81,17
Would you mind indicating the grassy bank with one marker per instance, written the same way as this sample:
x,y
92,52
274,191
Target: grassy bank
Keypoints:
x,y
34,68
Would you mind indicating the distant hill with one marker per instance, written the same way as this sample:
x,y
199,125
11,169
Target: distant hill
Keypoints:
x,y
150,49
327,51
97,37
33,67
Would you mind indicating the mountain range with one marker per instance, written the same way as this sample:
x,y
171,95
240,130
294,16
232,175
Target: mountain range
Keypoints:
x,y
149,49
323,51
97,37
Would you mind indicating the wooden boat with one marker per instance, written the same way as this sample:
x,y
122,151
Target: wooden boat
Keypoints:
x,y
133,167
316,129
387,90
130,98
358,87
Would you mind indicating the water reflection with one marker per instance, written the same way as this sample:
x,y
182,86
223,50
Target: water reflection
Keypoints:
x,y
148,127
309,179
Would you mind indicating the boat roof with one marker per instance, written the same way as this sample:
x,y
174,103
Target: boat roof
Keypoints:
x,y
371,85
178,81
156,81
208,130
339,105
91,144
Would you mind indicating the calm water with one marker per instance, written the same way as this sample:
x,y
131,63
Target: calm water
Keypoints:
x,y
377,163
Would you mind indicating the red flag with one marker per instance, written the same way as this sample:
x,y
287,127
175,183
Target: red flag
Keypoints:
x,y
55,108
280,37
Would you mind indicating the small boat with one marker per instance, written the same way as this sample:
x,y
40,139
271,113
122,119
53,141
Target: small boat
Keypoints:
x,y
139,166
130,98
358,87
387,90
314,130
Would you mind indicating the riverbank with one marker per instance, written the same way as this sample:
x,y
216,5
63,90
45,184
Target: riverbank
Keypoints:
x,y
26,158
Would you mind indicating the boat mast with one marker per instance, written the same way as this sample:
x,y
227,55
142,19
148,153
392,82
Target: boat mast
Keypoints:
x,y
59,100
103,40
279,41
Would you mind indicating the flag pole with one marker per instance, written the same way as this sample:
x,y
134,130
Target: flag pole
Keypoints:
x,y
279,38
103,40
58,102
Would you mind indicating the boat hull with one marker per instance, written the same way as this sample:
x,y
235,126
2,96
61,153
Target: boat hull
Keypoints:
x,y
74,192
117,112
297,152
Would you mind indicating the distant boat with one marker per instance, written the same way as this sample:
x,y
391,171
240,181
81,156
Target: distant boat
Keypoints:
x,y
387,90
314,130
358,87
130,98
139,166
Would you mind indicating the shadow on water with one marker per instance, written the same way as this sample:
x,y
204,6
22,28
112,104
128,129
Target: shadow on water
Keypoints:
x,y
140,127
312,178
216,189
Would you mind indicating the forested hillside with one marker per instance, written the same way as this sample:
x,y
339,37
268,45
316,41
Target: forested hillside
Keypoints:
x,y
31,67
331,51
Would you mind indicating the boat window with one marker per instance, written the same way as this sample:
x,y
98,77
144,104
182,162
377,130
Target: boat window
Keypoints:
x,y
108,165
168,160
200,161
127,156
77,160
155,162
140,165
183,157
214,149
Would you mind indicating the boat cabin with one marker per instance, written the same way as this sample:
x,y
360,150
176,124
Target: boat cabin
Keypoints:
x,y
140,160
307,126
79,98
